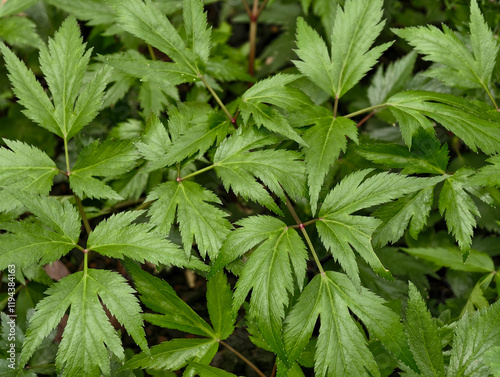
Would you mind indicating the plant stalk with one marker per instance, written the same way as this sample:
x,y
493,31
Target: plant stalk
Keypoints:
x,y
66,155
219,101
210,167
301,226
365,110
82,214
243,358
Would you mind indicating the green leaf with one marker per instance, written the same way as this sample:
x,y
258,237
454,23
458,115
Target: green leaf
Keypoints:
x,y
341,349
54,232
239,165
159,296
458,207
423,336
252,231
154,97
26,167
117,237
64,68
355,29
147,22
284,254
460,67
275,92
208,371
73,108
96,12
31,243
491,359
109,159
172,355
165,73
326,139
88,333
197,31
154,142
196,140
413,209
427,156
9,8
30,93
197,218
452,258
475,335
340,231
219,299
476,124
194,127
393,80
19,31
489,175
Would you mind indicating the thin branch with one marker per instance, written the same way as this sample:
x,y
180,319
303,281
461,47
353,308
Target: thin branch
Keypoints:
x,y
144,205
82,214
247,8
491,96
210,167
66,156
335,106
219,101
151,52
301,226
262,8
363,121
243,358
366,110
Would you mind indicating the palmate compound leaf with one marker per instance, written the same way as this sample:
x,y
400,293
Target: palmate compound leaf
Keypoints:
x,y
109,159
147,22
413,210
396,76
460,67
193,128
280,253
341,349
53,234
239,165
475,335
88,334
423,336
326,139
117,237
457,205
197,219
340,231
26,167
275,92
478,125
73,105
427,156
355,29
159,296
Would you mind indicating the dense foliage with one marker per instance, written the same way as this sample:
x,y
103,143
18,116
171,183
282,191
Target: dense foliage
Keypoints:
x,y
332,185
